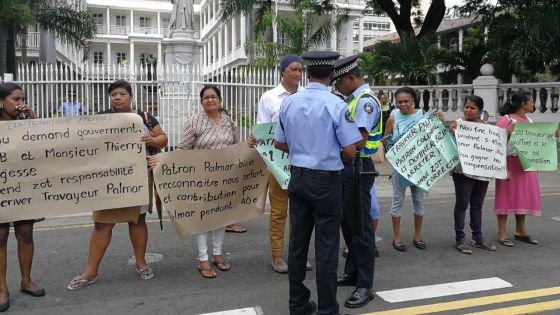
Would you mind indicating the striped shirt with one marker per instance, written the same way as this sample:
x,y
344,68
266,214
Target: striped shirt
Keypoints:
x,y
201,132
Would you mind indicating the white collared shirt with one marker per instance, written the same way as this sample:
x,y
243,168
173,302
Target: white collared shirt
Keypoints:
x,y
269,104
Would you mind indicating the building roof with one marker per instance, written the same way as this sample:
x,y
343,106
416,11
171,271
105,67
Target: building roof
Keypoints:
x,y
447,25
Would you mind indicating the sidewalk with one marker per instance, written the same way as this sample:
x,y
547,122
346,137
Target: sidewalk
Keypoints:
x,y
550,182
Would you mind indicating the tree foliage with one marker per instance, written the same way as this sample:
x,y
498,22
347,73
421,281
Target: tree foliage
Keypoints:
x,y
412,61
523,37
474,55
63,21
311,23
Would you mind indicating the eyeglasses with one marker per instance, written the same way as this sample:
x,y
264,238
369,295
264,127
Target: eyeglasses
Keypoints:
x,y
208,98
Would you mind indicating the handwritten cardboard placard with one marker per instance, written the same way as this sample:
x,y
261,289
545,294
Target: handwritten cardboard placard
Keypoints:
x,y
535,144
278,162
425,153
59,166
482,149
206,189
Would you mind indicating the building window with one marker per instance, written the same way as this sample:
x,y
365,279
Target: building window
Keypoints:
x,y
144,21
121,57
98,17
376,26
120,20
97,57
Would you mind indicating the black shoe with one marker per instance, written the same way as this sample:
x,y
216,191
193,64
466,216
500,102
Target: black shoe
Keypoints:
x,y
346,281
4,307
360,297
375,253
309,310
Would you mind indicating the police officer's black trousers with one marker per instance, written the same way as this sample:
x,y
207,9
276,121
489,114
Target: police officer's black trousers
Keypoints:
x,y
360,261
315,202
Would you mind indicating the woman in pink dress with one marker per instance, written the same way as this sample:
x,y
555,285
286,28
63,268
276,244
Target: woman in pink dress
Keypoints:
x,y
509,200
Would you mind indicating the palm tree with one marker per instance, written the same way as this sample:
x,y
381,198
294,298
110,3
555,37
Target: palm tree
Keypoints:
x,y
65,22
413,61
312,23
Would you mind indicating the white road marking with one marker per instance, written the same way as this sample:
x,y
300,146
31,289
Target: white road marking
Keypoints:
x,y
556,218
151,258
242,311
444,289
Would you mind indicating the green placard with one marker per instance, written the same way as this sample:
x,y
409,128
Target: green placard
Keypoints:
x,y
535,144
425,153
276,161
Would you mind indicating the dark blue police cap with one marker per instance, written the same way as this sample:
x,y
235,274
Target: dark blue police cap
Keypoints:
x,y
343,66
320,58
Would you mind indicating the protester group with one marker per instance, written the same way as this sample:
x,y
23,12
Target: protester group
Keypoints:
x,y
331,140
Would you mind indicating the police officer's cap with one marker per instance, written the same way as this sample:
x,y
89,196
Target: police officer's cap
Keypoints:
x,y
343,66
320,58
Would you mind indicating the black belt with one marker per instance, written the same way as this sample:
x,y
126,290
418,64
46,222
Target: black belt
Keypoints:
x,y
309,170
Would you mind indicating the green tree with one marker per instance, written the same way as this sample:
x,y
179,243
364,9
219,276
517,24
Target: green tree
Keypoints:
x,y
523,37
411,61
66,23
473,56
311,24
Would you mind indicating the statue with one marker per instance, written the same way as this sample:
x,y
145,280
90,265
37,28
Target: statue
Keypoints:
x,y
182,16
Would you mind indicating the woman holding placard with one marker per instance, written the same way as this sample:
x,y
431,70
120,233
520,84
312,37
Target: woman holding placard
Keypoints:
x,y
469,189
12,107
403,119
120,96
509,200
210,129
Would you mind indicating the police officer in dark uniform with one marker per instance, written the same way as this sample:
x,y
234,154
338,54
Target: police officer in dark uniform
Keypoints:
x,y
357,180
315,128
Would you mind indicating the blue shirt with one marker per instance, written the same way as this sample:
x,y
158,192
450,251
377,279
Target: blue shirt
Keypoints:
x,y
71,109
314,125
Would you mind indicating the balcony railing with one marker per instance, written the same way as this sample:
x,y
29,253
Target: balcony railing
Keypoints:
x,y
32,43
119,30
145,30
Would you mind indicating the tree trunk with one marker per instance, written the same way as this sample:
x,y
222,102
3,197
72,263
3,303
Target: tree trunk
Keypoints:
x,y
435,14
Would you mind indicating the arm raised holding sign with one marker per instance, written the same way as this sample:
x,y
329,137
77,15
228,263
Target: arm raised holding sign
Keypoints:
x,y
13,107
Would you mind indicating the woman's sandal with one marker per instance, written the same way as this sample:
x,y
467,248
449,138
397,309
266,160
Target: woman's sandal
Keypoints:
x,y
463,249
526,239
207,273
79,283
506,242
222,265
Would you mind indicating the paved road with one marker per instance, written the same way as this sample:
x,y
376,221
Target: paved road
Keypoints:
x,y
61,249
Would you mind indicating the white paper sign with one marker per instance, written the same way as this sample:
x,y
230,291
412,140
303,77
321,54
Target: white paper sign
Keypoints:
x,y
482,149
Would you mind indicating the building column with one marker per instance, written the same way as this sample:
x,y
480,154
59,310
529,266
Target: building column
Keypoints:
x,y
159,53
214,53
220,45
108,52
360,34
334,38
108,18
233,34
243,29
131,59
460,40
349,38
227,46
131,21
159,24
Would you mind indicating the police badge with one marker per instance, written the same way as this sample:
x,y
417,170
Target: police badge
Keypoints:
x,y
368,108
348,116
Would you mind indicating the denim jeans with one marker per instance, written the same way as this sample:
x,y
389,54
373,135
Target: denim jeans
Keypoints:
x,y
398,197
468,191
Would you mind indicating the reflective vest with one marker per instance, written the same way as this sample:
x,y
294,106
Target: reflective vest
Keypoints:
x,y
374,137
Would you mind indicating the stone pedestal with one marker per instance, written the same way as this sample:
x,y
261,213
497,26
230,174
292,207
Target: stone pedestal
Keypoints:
x,y
182,50
486,86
